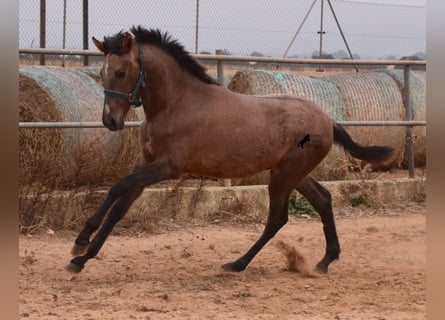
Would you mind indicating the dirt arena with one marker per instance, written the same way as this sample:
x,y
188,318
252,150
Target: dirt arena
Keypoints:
x,y
176,274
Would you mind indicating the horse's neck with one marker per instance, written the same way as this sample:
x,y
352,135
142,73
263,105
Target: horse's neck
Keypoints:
x,y
168,84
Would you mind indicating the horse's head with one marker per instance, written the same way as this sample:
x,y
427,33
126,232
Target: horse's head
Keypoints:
x,y
122,75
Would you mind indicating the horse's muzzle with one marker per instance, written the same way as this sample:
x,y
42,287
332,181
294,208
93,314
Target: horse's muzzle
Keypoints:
x,y
113,124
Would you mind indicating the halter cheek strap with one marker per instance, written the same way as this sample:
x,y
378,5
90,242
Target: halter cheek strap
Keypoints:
x,y
133,96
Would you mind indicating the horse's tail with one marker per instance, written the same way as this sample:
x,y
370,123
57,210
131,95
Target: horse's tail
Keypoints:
x,y
371,153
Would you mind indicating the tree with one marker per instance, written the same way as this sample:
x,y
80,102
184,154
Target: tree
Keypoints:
x,y
340,54
391,57
256,54
324,55
419,56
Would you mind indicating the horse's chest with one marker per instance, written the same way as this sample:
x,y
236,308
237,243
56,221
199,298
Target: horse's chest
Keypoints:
x,y
149,141
156,144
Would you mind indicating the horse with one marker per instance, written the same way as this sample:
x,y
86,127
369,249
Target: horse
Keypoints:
x,y
195,126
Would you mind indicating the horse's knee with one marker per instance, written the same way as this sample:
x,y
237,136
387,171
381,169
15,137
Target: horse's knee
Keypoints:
x,y
93,223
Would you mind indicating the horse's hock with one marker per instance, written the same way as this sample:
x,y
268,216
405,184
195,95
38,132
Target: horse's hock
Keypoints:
x,y
68,157
358,97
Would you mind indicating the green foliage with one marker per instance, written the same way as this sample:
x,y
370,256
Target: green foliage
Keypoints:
x,y
361,200
298,206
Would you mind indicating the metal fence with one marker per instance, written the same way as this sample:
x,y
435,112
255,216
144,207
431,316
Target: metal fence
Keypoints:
x,y
372,29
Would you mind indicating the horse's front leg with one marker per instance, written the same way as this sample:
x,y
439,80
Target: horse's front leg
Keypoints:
x,y
122,194
93,223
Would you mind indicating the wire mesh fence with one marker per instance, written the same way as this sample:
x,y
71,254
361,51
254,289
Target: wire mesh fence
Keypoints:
x,y
380,29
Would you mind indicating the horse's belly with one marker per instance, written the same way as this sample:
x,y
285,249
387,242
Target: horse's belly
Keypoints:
x,y
236,163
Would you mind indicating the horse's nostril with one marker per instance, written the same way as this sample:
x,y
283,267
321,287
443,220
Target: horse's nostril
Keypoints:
x,y
113,124
109,122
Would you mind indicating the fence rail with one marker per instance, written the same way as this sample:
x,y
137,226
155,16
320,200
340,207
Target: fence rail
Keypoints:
x,y
98,124
220,59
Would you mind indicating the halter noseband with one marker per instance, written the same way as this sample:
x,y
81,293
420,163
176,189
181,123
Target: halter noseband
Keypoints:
x,y
132,97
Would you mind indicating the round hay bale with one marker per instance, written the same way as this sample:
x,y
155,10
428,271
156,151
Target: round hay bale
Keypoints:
x,y
92,71
325,94
261,82
68,157
418,104
373,96
37,146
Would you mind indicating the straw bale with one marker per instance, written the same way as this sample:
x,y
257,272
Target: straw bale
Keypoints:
x,y
69,157
262,82
373,96
418,104
40,151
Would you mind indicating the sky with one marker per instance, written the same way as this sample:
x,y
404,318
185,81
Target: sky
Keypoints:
x,y
373,29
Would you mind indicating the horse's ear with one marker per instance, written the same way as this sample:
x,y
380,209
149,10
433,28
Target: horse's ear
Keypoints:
x,y
127,42
99,44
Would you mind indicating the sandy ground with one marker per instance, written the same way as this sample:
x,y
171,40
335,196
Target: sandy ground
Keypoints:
x,y
176,273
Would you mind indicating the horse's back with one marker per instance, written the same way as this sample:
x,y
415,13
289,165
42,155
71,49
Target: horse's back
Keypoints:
x,y
300,114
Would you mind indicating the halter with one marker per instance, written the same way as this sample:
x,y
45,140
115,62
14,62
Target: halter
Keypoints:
x,y
132,97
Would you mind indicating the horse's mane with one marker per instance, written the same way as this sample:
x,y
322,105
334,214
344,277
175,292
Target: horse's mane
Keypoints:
x,y
164,41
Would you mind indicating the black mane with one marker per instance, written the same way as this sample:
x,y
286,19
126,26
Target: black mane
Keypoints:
x,y
163,40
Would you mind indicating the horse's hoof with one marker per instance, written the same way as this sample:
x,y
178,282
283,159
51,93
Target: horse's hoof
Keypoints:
x,y
321,269
73,268
233,267
79,250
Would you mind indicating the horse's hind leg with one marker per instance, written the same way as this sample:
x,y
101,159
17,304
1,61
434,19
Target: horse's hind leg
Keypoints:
x,y
279,192
320,199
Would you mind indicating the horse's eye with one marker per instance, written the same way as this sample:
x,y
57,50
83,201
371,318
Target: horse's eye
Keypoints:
x,y
120,74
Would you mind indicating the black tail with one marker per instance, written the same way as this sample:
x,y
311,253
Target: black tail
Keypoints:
x,y
371,153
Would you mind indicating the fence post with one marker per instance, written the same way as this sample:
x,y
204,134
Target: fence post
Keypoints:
x,y
42,30
220,76
408,116
85,29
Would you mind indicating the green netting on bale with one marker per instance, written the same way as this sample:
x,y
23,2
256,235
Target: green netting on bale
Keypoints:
x,y
373,96
88,156
418,105
92,71
262,82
